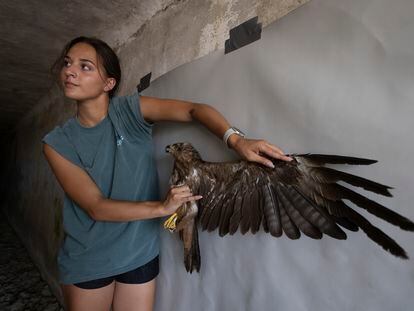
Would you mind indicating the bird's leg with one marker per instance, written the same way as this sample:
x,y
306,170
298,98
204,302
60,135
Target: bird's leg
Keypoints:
x,y
170,222
184,213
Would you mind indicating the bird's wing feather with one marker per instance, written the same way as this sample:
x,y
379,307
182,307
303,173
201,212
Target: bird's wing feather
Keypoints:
x,y
294,197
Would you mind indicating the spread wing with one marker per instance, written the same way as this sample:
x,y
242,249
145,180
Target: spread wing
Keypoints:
x,y
298,196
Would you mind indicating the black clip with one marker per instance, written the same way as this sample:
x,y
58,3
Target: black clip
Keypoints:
x,y
244,34
144,82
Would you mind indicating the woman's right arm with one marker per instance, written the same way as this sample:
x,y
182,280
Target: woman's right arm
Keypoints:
x,y
83,190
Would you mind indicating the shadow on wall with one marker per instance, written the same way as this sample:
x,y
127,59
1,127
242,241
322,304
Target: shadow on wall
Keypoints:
x,y
31,200
8,169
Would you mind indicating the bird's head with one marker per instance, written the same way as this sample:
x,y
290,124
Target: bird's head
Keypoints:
x,y
183,152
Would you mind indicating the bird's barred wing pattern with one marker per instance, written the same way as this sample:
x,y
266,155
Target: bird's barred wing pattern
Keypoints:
x,y
298,196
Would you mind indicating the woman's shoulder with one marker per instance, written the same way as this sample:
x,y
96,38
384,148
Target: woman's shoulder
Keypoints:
x,y
127,108
59,141
121,100
59,134
59,129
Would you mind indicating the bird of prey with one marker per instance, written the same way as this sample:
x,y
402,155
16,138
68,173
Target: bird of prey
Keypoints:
x,y
293,197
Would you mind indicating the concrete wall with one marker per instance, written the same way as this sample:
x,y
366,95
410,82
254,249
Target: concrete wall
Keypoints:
x,y
182,32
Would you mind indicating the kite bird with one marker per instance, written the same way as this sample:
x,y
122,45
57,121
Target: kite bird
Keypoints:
x,y
293,197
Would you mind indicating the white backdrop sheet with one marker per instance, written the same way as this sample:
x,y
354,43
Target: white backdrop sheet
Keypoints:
x,y
332,77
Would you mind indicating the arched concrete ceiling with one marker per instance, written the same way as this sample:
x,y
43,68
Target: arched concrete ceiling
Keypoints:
x,y
32,34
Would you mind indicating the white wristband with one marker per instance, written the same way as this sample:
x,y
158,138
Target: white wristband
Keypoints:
x,y
231,131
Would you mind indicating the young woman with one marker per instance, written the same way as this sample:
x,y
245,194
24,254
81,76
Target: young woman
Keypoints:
x,y
103,160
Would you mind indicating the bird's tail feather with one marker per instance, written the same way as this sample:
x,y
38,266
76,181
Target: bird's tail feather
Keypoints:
x,y
192,259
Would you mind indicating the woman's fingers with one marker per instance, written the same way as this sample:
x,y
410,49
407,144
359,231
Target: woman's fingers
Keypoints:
x,y
275,149
274,152
179,188
256,150
183,194
193,198
177,196
257,158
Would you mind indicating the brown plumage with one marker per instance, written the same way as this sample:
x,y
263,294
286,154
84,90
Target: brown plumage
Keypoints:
x,y
294,197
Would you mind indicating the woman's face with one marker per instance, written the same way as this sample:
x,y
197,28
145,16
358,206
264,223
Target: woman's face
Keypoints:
x,y
80,76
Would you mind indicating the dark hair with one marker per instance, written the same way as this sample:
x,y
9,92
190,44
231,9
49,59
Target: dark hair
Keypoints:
x,y
105,54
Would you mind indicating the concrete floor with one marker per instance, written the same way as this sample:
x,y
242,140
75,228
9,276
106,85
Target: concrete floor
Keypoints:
x,y
21,286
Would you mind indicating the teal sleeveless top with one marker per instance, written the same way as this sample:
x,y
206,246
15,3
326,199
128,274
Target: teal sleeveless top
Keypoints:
x,y
117,153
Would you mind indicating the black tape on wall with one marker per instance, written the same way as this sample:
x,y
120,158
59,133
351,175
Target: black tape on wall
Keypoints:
x,y
243,34
144,82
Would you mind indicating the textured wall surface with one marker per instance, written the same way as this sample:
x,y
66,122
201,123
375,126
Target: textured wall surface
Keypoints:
x,y
332,77
32,33
148,36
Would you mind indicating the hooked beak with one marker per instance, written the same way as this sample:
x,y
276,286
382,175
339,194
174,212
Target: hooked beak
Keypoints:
x,y
168,149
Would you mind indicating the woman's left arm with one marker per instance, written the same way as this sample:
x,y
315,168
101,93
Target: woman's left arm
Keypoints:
x,y
155,109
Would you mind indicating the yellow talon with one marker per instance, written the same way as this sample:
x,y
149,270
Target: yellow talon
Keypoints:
x,y
170,223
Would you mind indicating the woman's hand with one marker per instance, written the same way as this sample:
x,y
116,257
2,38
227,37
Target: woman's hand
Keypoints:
x,y
176,196
250,149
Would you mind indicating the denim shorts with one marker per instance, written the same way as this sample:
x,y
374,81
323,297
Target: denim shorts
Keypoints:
x,y
142,274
